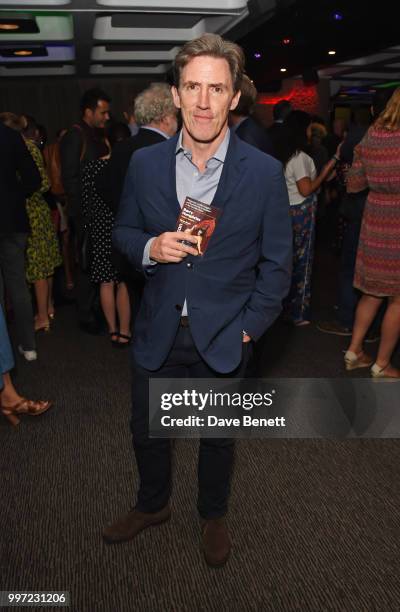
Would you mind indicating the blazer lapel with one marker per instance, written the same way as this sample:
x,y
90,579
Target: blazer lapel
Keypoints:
x,y
232,172
170,163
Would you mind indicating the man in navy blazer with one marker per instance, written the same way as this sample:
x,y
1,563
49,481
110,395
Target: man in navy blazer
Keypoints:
x,y
200,314
242,121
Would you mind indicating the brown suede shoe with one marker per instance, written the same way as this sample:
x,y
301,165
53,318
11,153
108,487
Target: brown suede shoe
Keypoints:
x,y
216,542
129,525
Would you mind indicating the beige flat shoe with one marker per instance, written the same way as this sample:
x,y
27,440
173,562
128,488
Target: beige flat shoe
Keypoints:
x,y
386,372
352,361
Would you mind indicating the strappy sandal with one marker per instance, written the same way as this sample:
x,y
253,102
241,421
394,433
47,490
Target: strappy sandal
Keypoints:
x,y
111,334
24,406
123,344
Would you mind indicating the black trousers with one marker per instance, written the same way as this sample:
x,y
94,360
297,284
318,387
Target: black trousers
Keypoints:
x,y
86,291
153,455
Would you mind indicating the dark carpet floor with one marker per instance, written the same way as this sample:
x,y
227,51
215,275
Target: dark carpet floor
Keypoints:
x,y
315,523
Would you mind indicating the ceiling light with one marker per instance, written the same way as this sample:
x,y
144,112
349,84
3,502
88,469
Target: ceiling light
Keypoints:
x,y
332,52
286,41
257,55
283,69
337,16
9,26
23,52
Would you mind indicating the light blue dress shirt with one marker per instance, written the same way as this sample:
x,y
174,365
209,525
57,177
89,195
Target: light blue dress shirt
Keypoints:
x,y
193,183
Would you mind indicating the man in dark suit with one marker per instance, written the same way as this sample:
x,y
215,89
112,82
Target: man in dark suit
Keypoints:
x,y
155,113
243,123
84,142
276,131
200,313
19,178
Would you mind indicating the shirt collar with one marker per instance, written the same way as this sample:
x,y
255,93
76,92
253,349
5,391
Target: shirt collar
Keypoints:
x,y
219,154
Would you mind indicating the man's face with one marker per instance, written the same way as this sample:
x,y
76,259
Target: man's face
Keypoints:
x,y
205,97
99,117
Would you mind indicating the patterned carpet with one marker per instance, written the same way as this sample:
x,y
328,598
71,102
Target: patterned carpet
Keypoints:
x,y
315,523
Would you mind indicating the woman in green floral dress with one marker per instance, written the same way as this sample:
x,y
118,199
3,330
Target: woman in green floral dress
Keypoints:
x,y
43,254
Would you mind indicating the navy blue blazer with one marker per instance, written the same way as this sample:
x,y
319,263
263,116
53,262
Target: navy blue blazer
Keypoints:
x,y
242,278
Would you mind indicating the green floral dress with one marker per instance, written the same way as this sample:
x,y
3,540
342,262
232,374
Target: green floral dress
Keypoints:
x,y
42,253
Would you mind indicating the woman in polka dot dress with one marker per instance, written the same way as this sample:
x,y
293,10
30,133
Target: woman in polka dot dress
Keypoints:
x,y
114,296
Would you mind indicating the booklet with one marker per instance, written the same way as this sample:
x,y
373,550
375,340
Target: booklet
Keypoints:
x,y
198,219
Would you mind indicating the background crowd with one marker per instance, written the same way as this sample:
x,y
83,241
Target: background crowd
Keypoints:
x,y
60,200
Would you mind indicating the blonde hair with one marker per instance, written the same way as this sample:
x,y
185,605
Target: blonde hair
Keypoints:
x,y
211,45
389,119
153,104
15,122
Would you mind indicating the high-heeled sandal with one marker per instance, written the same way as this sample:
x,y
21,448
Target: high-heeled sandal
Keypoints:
x,y
24,406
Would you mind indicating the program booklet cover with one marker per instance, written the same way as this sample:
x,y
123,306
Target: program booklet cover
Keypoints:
x,y
198,219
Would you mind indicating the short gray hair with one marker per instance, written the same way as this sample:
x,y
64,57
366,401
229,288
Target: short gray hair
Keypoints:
x,y
153,104
211,45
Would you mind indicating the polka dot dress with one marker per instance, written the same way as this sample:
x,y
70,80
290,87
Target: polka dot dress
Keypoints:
x,y
100,221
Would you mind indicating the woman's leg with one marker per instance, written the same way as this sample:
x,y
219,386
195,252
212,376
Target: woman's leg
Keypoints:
x,y
50,303
8,395
390,333
107,299
42,297
124,311
366,311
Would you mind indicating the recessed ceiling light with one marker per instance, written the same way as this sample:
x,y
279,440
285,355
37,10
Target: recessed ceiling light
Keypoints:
x,y
283,69
332,52
9,26
257,55
23,52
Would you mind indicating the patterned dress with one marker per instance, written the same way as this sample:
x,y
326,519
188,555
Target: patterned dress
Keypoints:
x,y
100,221
42,253
376,165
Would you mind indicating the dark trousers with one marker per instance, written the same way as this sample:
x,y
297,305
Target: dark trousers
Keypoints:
x,y
86,291
12,264
153,455
348,296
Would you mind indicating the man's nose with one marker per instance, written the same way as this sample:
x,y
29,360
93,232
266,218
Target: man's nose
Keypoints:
x,y
204,98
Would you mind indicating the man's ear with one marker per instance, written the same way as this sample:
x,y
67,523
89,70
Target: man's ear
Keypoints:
x,y
175,95
235,100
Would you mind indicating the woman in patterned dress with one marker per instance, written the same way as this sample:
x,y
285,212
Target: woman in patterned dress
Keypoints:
x,y
376,165
43,254
114,296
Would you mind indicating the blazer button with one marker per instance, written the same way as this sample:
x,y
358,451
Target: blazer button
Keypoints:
x,y
178,307
189,265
